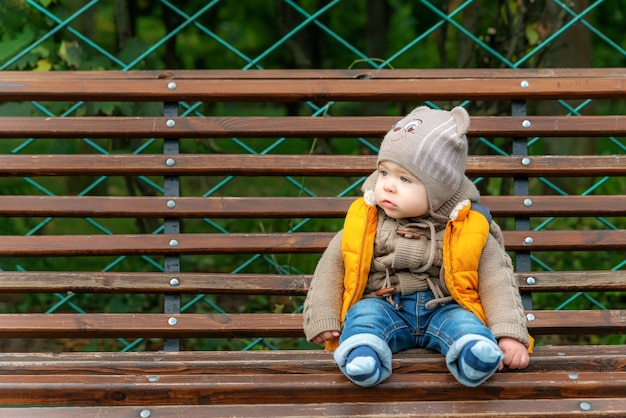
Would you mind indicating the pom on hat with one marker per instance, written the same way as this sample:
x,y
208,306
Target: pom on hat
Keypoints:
x,y
432,145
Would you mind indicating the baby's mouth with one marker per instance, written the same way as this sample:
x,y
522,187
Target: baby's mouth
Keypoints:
x,y
388,204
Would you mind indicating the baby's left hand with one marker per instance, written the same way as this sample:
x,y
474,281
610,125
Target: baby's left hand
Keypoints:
x,y
515,354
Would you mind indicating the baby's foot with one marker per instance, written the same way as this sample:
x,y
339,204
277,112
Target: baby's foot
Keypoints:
x,y
479,359
363,366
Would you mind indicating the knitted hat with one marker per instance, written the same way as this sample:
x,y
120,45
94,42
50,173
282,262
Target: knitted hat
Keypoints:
x,y
430,144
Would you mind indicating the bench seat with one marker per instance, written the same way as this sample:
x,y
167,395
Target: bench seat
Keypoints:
x,y
136,203
295,377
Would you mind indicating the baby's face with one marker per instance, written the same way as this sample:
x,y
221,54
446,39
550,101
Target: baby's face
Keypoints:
x,y
399,193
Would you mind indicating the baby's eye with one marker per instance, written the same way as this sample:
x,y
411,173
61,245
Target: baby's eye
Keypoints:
x,y
405,180
382,173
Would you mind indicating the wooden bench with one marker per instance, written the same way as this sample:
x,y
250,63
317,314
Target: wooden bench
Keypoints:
x,y
191,246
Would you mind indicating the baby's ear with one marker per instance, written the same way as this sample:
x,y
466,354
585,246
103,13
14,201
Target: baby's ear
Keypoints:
x,y
462,119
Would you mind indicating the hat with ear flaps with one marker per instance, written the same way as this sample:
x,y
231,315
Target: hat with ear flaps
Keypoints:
x,y
432,145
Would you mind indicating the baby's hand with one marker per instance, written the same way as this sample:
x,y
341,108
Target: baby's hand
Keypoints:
x,y
515,354
322,337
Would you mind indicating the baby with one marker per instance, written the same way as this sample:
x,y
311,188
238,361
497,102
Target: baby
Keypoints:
x,y
419,263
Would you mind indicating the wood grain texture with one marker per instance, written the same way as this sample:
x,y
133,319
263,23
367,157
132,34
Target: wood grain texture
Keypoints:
x,y
294,126
297,389
317,88
282,207
515,408
269,243
292,164
232,325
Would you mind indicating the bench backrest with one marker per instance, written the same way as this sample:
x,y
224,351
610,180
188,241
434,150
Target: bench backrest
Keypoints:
x,y
204,211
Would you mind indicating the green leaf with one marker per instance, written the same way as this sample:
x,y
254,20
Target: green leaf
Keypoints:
x,y
43,65
71,53
10,47
531,34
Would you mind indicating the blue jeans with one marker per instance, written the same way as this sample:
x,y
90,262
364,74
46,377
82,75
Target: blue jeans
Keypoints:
x,y
377,323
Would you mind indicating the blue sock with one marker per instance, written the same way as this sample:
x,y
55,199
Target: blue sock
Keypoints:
x,y
363,366
479,359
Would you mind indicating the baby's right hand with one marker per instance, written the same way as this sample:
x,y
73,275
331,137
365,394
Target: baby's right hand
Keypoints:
x,y
322,337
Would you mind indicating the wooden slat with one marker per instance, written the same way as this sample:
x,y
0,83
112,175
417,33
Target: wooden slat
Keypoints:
x,y
287,90
253,325
151,244
198,127
237,243
400,73
74,325
588,358
600,240
231,389
590,205
186,164
282,207
294,126
281,165
547,322
260,284
276,243
547,126
573,281
514,408
139,282
195,207
559,166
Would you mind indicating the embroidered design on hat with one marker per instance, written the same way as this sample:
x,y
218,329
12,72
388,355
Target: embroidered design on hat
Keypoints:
x,y
410,127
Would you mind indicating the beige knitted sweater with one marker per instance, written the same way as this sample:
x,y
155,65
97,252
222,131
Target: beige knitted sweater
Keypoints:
x,y
404,263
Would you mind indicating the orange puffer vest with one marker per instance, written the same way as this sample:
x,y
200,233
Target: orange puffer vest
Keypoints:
x,y
464,239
